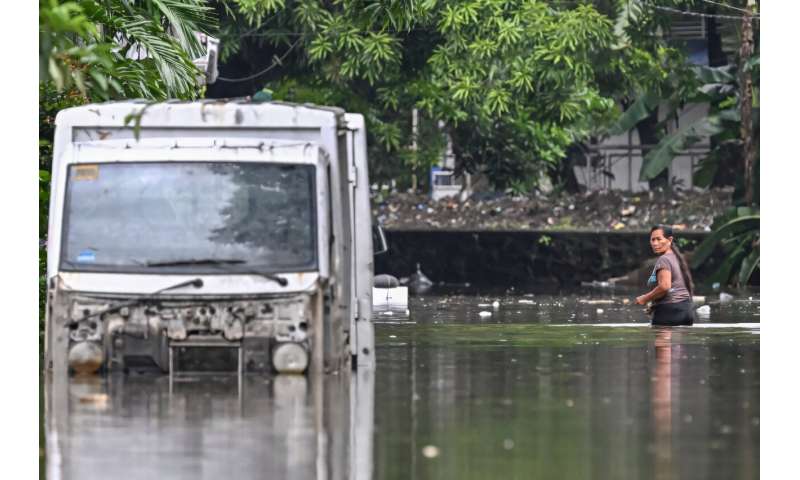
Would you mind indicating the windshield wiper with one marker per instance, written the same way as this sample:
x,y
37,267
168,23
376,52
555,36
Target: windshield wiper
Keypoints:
x,y
220,262
196,261
196,283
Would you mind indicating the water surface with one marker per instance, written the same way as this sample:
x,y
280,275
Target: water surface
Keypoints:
x,y
565,386
571,386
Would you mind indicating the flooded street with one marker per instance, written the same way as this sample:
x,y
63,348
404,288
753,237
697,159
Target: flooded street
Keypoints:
x,y
543,386
512,395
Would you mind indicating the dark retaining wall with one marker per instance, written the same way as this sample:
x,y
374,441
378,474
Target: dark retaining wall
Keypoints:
x,y
518,257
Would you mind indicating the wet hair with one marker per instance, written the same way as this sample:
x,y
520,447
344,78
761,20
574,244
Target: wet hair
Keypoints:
x,y
685,271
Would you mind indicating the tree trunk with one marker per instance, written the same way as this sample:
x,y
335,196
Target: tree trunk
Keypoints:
x,y
648,135
746,97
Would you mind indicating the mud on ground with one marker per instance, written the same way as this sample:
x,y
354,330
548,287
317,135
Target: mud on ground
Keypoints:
x,y
597,210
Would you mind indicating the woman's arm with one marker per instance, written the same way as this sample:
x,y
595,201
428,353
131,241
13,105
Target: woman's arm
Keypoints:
x,y
664,277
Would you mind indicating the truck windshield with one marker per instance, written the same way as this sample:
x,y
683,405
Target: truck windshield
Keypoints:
x,y
190,217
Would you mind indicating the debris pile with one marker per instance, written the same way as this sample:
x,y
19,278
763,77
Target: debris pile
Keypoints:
x,y
596,210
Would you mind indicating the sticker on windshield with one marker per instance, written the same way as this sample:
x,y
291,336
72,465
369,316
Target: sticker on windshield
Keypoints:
x,y
86,172
86,256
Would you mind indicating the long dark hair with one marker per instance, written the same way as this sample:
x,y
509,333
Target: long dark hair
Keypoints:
x,y
685,271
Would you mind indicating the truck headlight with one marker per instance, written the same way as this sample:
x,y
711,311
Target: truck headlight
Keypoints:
x,y
85,357
289,357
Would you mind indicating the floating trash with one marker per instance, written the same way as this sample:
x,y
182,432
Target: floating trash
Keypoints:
x,y
527,302
97,399
495,304
628,211
430,451
698,300
599,310
704,311
508,444
485,314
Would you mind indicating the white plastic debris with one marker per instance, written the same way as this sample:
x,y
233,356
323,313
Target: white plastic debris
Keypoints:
x,y
704,311
389,298
485,314
607,301
599,310
528,302
495,304
430,451
698,299
725,297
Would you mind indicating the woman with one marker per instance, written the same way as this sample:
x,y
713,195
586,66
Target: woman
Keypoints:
x,y
671,281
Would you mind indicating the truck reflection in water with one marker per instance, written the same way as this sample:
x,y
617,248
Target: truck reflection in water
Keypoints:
x,y
208,426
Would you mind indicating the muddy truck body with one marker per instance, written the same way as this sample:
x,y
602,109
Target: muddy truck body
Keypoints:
x,y
209,226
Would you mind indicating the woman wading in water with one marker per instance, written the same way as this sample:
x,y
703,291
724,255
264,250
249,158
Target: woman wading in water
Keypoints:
x,y
671,281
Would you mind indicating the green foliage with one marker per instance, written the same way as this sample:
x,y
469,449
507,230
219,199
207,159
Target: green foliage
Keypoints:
x,y
642,108
92,46
671,84
545,240
737,233
684,243
659,158
514,82
51,101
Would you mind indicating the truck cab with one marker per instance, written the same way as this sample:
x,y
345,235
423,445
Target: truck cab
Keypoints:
x,y
232,225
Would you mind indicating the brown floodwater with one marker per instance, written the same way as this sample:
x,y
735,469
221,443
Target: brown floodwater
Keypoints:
x,y
573,385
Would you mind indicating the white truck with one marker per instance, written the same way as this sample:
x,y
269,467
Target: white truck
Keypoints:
x,y
211,224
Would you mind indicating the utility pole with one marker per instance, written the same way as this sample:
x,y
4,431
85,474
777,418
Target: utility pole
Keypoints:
x,y
414,147
746,97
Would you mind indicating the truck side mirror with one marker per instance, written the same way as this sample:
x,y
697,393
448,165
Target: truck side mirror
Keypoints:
x,y
378,240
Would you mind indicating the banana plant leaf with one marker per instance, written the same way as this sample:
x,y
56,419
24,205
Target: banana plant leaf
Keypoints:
x,y
749,265
637,112
719,75
737,225
732,213
730,115
660,157
723,273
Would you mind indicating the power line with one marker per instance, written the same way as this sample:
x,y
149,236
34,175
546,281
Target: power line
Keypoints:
x,y
698,14
275,63
712,2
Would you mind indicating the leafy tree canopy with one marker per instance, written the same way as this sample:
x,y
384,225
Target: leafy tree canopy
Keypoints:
x,y
515,82
121,49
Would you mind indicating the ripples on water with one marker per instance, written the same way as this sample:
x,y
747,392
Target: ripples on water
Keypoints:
x,y
565,386
571,386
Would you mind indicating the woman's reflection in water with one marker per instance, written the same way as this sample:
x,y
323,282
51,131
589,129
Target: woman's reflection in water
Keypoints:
x,y
661,399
